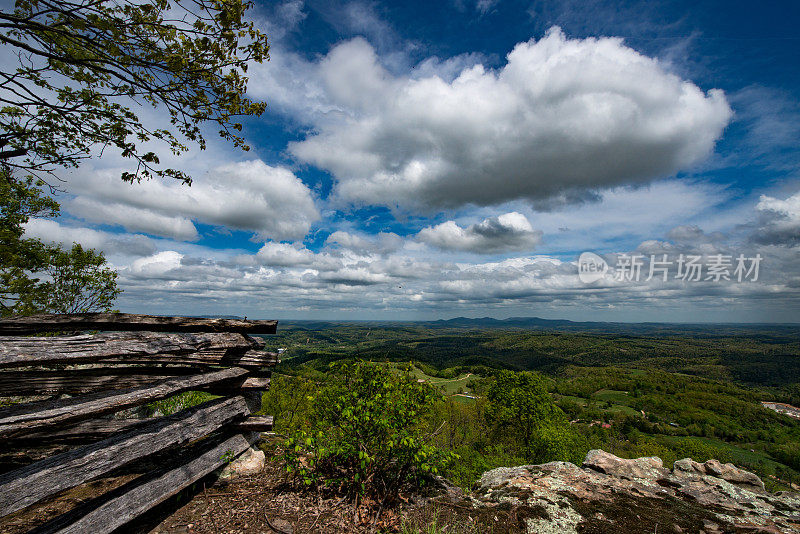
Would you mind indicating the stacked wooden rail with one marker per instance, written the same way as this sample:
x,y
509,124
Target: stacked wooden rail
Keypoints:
x,y
136,360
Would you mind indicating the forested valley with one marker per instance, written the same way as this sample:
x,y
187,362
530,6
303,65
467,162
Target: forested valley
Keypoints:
x,y
510,396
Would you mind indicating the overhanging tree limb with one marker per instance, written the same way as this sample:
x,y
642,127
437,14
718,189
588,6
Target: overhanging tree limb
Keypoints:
x,y
83,62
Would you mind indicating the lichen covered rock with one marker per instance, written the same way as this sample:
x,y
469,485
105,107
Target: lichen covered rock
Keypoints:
x,y
611,494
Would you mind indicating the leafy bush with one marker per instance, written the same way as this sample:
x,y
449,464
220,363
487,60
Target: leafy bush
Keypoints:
x,y
287,400
365,434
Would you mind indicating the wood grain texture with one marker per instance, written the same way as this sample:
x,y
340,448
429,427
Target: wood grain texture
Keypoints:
x,y
253,359
134,347
83,432
22,418
97,429
83,381
255,423
130,322
30,484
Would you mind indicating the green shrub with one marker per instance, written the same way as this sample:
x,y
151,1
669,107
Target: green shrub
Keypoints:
x,y
365,434
473,463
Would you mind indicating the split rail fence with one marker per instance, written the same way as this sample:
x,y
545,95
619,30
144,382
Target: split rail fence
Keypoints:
x,y
134,360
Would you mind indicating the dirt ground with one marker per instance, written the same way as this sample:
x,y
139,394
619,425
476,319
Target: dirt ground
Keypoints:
x,y
264,503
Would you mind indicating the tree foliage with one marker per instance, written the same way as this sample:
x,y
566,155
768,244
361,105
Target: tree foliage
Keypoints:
x,y
37,277
85,65
365,433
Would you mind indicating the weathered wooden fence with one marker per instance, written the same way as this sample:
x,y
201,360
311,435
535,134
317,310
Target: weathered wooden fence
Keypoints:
x,y
137,359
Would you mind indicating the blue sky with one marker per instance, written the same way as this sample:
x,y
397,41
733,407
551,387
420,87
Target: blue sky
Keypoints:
x,y
430,160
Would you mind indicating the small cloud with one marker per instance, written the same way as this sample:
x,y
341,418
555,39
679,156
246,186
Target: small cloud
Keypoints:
x,y
778,221
484,6
382,243
504,233
294,255
267,200
119,244
693,235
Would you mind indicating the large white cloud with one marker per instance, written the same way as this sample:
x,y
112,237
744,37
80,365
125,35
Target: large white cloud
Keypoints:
x,y
251,195
504,233
563,116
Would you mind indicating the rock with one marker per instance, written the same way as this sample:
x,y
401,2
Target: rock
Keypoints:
x,y
250,462
500,475
689,467
611,494
734,475
728,472
711,528
647,468
282,525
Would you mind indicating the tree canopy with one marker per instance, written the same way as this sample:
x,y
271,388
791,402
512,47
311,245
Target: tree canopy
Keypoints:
x,y
522,411
85,65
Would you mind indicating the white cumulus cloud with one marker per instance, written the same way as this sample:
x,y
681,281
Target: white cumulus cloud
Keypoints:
x,y
562,117
383,242
294,255
504,233
250,195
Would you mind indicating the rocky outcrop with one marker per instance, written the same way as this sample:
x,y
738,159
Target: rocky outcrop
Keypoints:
x,y
611,494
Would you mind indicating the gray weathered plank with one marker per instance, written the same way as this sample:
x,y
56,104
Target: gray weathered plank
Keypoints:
x,y
130,322
256,423
97,429
121,510
83,381
250,384
32,483
251,358
22,418
82,432
124,347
